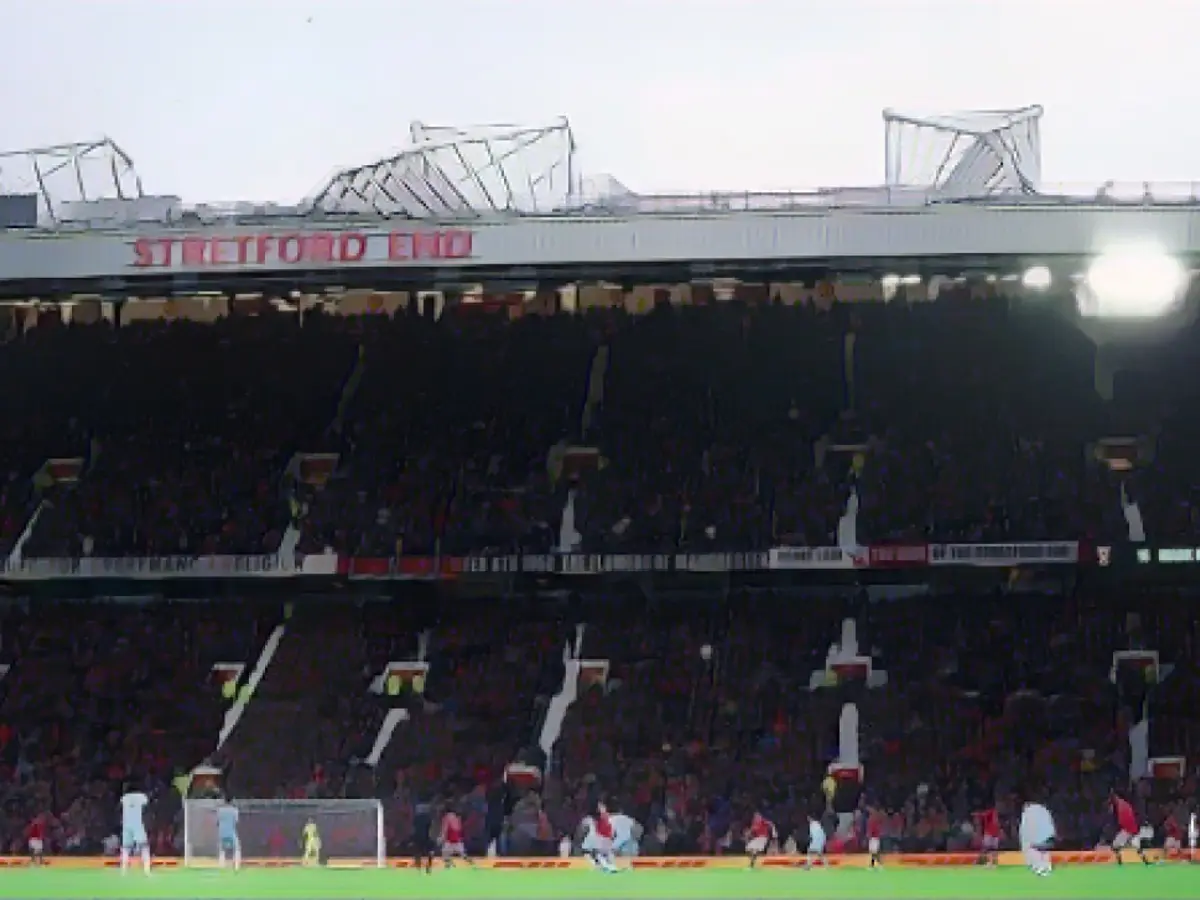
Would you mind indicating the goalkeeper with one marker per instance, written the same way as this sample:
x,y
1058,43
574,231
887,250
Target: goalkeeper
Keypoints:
x,y
227,834
312,845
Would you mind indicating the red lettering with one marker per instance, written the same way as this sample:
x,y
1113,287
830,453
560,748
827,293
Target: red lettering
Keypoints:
x,y
427,245
458,244
243,243
192,253
291,249
399,246
215,257
320,248
143,253
409,246
352,247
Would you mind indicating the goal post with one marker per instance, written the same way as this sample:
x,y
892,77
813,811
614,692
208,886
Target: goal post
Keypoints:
x,y
271,831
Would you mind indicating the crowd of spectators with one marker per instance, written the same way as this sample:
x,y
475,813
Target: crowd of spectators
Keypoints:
x,y
730,426
727,427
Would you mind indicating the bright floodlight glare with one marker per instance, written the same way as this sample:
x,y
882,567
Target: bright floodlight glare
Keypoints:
x,y
1037,278
1135,282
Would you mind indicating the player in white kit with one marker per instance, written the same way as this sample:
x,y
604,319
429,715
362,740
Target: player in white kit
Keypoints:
x,y
1037,835
133,829
627,831
816,843
1193,836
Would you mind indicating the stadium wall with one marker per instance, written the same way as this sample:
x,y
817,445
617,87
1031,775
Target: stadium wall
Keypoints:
x,y
849,861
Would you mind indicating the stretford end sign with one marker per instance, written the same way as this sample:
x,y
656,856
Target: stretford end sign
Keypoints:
x,y
302,249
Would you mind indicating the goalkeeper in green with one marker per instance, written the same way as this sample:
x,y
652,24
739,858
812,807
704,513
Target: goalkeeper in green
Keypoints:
x,y
311,842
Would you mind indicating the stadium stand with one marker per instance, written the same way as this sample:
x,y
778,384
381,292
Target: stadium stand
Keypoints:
x,y
727,426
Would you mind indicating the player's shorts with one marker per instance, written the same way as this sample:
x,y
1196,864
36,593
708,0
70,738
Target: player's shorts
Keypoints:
x,y
990,843
757,846
312,848
593,843
1125,839
36,846
229,842
816,848
1193,839
458,849
873,846
626,848
134,837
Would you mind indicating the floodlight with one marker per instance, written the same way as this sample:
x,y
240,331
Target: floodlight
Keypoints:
x,y
1136,281
1037,278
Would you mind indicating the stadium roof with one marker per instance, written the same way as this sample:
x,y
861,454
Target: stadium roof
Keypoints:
x,y
452,172
64,174
965,154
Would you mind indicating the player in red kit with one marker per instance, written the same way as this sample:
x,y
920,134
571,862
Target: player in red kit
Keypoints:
x,y
598,839
453,845
988,823
1128,830
875,837
759,837
35,836
1172,837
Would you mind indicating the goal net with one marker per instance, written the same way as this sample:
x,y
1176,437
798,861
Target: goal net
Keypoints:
x,y
351,831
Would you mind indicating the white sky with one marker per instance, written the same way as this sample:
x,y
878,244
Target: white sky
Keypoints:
x,y
249,99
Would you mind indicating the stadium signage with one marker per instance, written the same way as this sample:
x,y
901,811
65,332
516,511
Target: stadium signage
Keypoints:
x,y
574,565
1168,555
296,249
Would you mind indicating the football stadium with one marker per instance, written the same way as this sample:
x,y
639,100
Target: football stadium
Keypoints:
x,y
482,527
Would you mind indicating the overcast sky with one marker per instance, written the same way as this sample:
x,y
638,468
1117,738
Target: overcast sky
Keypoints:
x,y
262,99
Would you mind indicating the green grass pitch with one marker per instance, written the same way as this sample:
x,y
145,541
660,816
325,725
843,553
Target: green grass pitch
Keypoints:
x,y
1131,882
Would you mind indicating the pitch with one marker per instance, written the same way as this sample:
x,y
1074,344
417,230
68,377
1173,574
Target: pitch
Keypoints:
x,y
1090,883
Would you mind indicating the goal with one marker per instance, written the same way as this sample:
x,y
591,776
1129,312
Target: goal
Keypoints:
x,y
271,830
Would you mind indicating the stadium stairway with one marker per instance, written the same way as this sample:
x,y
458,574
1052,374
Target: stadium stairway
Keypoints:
x,y
550,728
293,727
312,470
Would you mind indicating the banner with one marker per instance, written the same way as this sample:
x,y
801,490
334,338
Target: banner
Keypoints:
x,y
899,556
1005,555
883,557
154,568
818,558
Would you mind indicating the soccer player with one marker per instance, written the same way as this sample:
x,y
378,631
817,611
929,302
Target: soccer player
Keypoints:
x,y
627,831
228,842
453,846
759,837
598,839
1172,837
35,835
874,837
816,843
423,845
1193,835
133,829
1037,834
988,822
1128,830
312,845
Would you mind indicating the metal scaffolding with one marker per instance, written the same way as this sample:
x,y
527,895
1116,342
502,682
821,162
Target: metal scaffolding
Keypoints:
x,y
65,174
456,173
966,155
